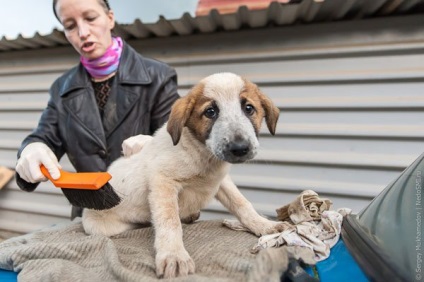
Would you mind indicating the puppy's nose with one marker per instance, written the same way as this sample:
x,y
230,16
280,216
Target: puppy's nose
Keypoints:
x,y
239,149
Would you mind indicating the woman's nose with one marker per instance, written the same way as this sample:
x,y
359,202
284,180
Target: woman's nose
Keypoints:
x,y
83,31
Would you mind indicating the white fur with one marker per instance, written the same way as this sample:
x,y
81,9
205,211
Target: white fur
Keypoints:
x,y
163,183
224,89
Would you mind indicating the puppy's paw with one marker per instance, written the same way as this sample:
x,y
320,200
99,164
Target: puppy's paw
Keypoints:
x,y
277,227
134,144
270,227
174,264
191,218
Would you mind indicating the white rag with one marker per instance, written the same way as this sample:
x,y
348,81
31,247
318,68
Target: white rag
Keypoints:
x,y
310,224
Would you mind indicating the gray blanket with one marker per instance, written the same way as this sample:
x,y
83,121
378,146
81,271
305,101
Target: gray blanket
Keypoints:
x,y
65,253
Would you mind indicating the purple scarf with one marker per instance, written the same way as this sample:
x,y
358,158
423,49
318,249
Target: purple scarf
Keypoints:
x,y
106,64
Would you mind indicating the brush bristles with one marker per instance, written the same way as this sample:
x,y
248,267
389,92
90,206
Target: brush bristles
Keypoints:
x,y
102,199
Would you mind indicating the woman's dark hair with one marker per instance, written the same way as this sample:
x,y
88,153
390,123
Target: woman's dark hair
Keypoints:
x,y
104,3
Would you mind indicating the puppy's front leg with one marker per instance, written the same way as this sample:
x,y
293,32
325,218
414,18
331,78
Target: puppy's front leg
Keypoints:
x,y
172,259
229,195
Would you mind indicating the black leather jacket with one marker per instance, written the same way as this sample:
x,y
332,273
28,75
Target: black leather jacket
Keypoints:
x,y
140,100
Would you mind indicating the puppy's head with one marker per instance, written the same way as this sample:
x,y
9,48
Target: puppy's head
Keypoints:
x,y
224,112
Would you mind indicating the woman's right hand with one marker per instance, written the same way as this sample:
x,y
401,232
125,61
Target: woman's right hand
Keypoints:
x,y
32,156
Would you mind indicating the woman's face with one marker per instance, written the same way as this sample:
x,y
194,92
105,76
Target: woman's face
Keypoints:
x,y
87,26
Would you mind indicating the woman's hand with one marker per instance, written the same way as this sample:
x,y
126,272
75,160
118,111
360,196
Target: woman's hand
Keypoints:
x,y
134,144
32,156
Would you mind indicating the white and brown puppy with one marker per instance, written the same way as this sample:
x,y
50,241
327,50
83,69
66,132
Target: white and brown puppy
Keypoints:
x,y
187,164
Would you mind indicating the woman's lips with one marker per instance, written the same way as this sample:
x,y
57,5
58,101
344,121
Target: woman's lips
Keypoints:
x,y
88,47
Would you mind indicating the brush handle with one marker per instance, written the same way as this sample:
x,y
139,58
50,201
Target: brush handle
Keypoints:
x,y
78,180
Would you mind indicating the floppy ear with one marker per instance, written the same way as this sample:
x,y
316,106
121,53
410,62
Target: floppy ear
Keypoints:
x,y
272,113
180,112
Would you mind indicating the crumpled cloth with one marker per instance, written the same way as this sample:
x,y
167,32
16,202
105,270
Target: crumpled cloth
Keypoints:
x,y
310,223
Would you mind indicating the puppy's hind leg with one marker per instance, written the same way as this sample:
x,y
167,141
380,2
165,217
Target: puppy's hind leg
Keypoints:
x,y
105,223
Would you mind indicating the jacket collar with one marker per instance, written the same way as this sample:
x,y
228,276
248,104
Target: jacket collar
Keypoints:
x,y
131,70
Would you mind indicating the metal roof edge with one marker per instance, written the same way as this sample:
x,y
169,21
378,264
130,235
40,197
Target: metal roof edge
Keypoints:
x,y
276,14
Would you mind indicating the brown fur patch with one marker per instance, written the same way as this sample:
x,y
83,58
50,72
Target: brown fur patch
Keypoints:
x,y
197,123
264,106
250,96
181,111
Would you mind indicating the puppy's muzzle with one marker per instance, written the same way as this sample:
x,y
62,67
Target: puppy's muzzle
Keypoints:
x,y
238,151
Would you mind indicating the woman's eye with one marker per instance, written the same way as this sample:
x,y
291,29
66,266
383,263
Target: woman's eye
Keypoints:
x,y
249,109
69,26
211,113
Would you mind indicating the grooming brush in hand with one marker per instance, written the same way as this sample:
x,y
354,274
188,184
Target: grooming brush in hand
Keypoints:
x,y
86,189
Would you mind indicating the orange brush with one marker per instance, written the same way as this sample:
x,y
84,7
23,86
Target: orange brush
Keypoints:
x,y
78,180
86,189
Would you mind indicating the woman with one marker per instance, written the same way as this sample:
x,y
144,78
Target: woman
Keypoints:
x,y
113,94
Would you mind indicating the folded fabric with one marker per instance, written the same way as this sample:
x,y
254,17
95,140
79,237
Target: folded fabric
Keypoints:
x,y
310,224
65,253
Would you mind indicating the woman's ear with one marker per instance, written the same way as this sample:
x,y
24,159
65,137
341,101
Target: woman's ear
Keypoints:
x,y
111,16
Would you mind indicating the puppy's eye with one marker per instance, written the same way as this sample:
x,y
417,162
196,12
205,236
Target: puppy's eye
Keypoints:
x,y
211,113
249,109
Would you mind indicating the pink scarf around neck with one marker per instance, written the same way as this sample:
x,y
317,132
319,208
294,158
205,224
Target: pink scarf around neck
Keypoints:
x,y
107,63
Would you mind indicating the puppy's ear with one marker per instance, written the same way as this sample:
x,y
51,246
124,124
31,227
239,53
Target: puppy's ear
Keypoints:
x,y
272,113
180,112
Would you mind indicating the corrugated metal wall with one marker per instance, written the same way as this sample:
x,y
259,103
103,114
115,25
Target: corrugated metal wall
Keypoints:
x,y
350,93
25,78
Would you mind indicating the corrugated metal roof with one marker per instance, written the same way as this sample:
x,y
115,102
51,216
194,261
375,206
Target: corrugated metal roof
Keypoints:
x,y
228,7
277,14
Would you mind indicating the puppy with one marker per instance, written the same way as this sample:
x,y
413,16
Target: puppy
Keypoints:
x,y
186,164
